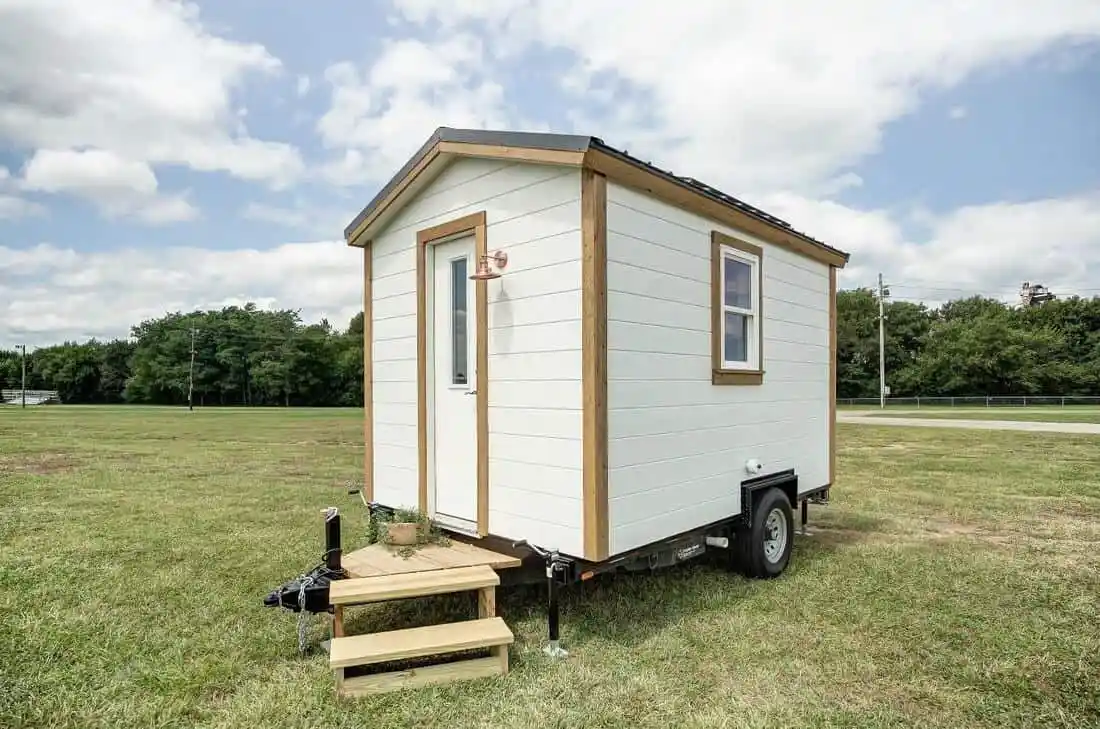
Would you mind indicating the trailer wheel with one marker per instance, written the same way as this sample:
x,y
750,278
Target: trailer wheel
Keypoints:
x,y
763,548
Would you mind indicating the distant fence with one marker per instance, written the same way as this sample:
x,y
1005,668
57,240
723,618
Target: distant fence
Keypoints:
x,y
33,397
986,401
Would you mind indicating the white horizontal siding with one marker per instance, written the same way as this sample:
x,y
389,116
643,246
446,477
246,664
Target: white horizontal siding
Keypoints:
x,y
533,214
677,444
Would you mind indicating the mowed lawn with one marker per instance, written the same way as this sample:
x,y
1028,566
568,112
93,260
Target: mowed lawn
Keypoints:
x,y
953,582
1073,414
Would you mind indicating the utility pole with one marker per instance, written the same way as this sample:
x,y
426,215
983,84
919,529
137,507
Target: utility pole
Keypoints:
x,y
191,374
23,391
881,343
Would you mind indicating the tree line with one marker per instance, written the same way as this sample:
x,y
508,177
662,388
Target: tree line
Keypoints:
x,y
971,346
242,356
248,356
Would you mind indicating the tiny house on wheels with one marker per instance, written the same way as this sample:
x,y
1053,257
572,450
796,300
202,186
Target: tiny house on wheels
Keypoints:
x,y
571,349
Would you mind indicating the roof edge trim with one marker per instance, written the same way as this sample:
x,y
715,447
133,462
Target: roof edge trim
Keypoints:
x,y
592,153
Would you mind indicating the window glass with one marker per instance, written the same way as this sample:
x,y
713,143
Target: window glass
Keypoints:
x,y
738,284
459,358
737,337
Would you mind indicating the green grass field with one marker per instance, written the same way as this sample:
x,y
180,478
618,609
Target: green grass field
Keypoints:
x,y
954,582
1075,414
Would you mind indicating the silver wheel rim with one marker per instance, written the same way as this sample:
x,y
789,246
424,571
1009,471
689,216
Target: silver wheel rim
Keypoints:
x,y
775,535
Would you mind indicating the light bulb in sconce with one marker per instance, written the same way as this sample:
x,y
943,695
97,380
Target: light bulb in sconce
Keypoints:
x,y
754,466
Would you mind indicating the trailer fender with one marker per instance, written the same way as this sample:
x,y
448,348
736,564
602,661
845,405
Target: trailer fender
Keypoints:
x,y
751,489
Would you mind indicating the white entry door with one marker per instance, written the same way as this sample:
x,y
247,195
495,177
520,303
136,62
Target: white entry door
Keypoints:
x,y
453,336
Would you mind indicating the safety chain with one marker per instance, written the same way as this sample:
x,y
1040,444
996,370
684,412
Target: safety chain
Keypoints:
x,y
304,582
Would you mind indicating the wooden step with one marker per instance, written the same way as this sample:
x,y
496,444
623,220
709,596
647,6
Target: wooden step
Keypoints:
x,y
361,590
361,650
378,683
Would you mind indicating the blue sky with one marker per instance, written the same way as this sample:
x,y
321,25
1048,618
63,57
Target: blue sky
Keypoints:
x,y
197,155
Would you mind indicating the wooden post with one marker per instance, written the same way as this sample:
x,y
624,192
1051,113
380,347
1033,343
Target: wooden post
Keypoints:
x,y
500,652
338,621
486,602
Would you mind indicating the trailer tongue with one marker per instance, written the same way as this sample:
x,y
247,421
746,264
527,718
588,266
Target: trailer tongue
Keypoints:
x,y
309,591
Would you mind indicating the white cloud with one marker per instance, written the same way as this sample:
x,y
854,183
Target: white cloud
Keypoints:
x,y
316,220
120,187
142,79
380,114
759,96
13,207
982,249
779,102
957,112
273,214
746,98
52,293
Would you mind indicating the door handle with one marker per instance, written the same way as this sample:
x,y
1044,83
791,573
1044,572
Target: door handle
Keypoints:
x,y
471,392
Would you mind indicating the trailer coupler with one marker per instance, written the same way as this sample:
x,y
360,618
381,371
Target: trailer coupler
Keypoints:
x,y
309,591
557,571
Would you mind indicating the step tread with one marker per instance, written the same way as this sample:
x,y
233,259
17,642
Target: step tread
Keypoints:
x,y
358,590
360,650
424,676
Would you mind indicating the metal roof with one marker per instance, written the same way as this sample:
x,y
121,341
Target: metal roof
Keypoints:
x,y
568,143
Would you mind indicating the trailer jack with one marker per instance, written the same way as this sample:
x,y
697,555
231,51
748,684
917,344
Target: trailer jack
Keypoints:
x,y
557,568
308,593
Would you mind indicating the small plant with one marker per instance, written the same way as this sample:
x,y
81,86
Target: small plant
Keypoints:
x,y
424,532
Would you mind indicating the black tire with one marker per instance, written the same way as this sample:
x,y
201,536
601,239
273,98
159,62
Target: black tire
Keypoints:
x,y
756,552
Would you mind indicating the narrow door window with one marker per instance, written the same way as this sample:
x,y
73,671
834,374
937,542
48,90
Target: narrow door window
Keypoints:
x,y
459,357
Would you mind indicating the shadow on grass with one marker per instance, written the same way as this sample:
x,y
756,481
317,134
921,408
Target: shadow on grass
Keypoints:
x,y
625,608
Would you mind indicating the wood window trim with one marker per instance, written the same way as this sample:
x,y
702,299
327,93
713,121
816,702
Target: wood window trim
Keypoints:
x,y
719,374
473,223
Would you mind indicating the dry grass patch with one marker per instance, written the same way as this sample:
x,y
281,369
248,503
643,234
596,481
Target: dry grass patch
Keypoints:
x,y
39,464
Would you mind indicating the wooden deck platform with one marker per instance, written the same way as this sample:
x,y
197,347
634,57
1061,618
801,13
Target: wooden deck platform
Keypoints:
x,y
381,559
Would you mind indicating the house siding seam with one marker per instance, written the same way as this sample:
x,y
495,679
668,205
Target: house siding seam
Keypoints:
x,y
677,444
534,327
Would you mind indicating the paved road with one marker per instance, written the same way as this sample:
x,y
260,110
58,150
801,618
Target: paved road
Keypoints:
x,y
867,419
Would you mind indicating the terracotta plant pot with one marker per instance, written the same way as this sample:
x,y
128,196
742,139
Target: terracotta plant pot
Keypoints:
x,y
401,533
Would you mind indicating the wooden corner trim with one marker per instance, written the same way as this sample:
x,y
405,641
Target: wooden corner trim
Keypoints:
x,y
368,375
832,374
643,180
474,223
720,375
481,306
594,363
